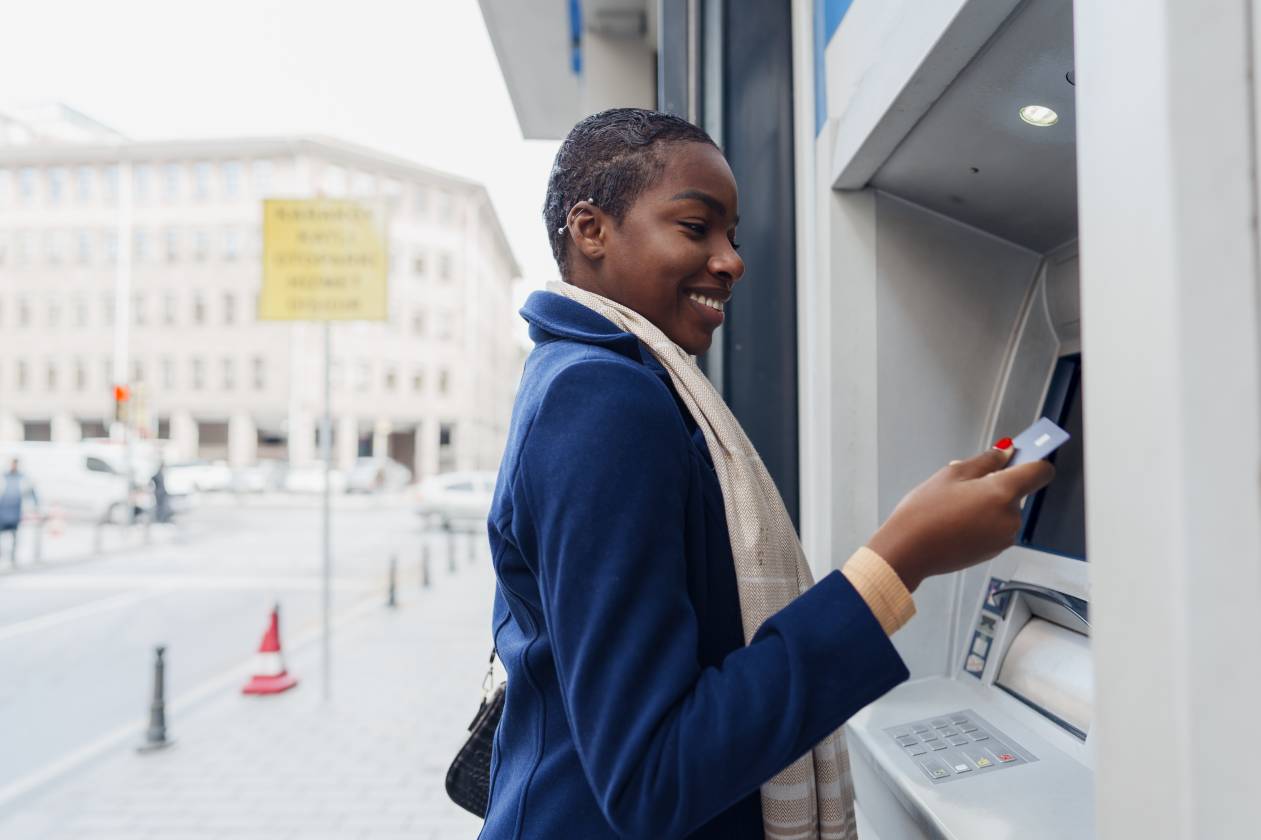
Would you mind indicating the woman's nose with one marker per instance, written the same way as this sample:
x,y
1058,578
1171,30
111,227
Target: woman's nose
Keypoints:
x,y
727,265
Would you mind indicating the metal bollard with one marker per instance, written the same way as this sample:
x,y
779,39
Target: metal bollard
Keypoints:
x,y
155,737
424,565
393,593
450,549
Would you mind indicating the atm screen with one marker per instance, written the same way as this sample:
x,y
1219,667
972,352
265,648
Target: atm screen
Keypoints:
x,y
1055,518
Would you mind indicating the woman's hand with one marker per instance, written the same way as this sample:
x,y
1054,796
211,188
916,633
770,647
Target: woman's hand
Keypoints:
x,y
965,513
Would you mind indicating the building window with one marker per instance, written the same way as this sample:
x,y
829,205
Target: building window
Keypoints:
x,y
260,373
418,323
24,312
53,251
84,176
21,248
171,181
444,381
229,374
83,247
418,265
110,244
231,244
198,377
201,245
391,379
54,314
57,177
80,312
444,266
26,184
140,246
109,184
231,178
137,310
201,180
50,376
80,376
20,375
172,245
170,310
199,310
363,379
168,373
262,172
418,381
229,308
137,371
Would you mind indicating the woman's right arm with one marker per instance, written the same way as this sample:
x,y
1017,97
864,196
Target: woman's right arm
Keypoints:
x,y
665,744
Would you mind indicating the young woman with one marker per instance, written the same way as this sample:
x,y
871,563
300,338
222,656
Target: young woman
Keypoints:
x,y
672,670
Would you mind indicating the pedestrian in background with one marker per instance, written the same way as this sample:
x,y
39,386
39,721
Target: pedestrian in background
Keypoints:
x,y
161,498
13,491
673,669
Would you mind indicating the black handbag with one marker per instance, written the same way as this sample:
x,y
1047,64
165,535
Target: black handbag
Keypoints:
x,y
468,777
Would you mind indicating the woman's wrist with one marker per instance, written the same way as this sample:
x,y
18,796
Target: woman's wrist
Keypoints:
x,y
889,547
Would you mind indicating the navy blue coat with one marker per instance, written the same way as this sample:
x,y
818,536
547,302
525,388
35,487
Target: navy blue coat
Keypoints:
x,y
633,708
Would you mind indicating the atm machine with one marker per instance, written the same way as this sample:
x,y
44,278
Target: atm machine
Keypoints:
x,y
971,242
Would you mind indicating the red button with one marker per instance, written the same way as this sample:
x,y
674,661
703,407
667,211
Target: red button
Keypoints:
x,y
1006,757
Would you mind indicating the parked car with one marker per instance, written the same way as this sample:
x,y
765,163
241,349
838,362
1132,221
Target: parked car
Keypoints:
x,y
310,479
75,483
200,476
267,474
372,475
456,501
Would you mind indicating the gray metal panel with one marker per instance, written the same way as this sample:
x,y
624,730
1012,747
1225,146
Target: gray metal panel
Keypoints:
x,y
672,58
972,158
760,333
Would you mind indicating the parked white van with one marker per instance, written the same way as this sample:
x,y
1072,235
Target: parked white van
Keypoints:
x,y
68,479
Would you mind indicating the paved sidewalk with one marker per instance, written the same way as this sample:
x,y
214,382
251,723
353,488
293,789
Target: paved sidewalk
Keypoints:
x,y
369,765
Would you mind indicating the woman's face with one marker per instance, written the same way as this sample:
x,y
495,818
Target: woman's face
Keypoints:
x,y
673,257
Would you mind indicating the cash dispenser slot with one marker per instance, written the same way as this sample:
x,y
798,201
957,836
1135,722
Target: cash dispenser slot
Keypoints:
x,y
1047,663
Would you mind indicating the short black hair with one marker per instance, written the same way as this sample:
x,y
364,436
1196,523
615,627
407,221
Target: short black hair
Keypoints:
x,y
610,157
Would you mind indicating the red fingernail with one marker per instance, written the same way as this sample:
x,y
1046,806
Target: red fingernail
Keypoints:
x,y
1005,443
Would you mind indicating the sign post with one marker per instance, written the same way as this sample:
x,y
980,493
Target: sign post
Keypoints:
x,y
324,260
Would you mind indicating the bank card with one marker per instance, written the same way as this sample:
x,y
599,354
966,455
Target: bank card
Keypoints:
x,y
1037,442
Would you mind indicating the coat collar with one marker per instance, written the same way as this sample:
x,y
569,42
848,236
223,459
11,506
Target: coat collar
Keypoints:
x,y
554,316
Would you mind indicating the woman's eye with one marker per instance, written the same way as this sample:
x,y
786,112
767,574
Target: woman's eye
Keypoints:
x,y
695,228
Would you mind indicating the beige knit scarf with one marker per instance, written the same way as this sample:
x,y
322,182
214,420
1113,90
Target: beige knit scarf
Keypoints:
x,y
812,798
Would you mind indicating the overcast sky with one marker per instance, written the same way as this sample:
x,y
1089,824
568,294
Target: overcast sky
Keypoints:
x,y
418,79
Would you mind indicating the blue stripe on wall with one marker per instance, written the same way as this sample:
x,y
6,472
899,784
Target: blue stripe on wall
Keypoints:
x,y
827,17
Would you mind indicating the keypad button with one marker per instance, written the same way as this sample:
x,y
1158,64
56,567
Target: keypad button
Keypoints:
x,y
979,736
958,719
908,740
961,767
1006,758
958,740
918,749
947,731
921,727
937,745
940,722
928,736
934,768
967,728
979,757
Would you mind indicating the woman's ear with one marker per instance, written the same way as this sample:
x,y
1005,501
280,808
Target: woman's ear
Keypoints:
x,y
588,228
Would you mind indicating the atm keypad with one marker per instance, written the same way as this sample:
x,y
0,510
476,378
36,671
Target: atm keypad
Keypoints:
x,y
958,745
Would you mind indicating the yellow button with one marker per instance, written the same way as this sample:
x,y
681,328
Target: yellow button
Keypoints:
x,y
983,762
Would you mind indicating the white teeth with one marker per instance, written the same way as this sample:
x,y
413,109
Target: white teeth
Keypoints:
x,y
712,304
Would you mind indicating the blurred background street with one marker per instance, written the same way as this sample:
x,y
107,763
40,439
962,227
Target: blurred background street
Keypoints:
x,y
80,630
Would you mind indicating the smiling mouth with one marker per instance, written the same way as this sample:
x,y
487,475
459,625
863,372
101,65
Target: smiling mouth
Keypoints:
x,y
706,301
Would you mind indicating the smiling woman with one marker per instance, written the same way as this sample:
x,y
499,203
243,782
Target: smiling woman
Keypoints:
x,y
672,666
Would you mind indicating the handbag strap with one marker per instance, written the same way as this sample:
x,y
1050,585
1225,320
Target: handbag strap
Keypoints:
x,y
488,683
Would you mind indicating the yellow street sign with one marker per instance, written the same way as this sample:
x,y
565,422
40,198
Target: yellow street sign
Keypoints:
x,y
323,260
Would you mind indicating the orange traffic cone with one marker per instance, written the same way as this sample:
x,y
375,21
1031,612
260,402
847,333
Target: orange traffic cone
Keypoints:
x,y
270,677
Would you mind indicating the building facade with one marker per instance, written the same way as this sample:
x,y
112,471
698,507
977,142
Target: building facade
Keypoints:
x,y
431,387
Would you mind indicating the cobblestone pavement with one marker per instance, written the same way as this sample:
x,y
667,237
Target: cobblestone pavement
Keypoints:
x,y
369,764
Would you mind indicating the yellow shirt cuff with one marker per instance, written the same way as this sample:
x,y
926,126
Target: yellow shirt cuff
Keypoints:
x,y
882,589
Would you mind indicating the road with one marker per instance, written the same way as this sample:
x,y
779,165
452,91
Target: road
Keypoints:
x,y
77,635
